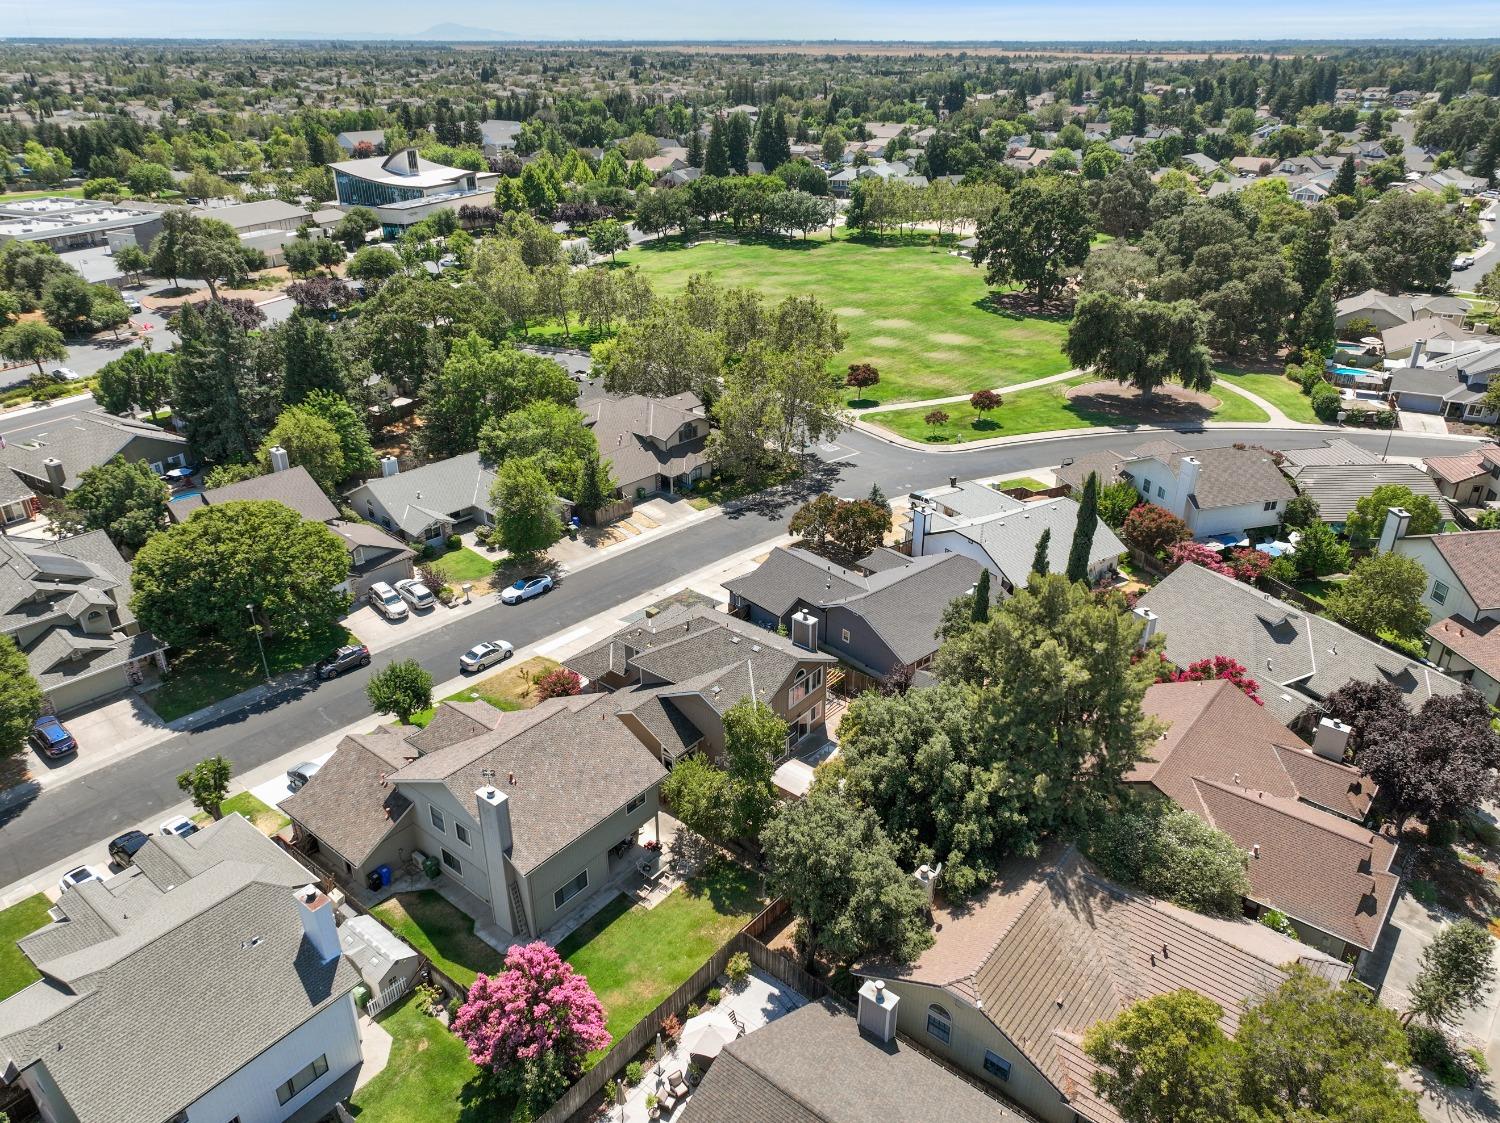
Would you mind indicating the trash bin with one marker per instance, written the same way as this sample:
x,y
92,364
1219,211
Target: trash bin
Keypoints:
x,y
374,881
361,995
430,867
385,875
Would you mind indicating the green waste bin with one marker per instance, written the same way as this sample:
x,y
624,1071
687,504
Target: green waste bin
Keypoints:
x,y
361,995
430,867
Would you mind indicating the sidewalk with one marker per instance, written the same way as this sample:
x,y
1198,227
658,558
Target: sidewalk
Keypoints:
x,y
891,407
709,581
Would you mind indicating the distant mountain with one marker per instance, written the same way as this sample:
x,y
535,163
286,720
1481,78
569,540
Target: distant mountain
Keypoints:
x,y
456,32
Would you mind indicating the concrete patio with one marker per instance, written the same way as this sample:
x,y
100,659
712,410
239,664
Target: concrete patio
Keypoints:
x,y
759,1002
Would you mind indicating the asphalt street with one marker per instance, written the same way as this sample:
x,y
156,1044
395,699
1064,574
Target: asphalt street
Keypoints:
x,y
64,819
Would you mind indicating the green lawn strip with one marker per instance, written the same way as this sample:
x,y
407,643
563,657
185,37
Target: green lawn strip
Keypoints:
x,y
919,314
21,919
634,957
1280,391
43,193
429,1077
267,819
509,689
1027,482
717,490
210,673
441,932
463,564
1042,409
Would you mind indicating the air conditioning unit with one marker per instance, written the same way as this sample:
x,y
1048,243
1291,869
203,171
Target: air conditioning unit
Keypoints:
x,y
419,857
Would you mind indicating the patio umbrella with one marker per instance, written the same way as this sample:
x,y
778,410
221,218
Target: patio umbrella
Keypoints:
x,y
708,1038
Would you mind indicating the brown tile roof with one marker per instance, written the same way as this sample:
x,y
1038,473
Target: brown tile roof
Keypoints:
x,y
1463,466
1054,948
1474,557
1478,644
350,803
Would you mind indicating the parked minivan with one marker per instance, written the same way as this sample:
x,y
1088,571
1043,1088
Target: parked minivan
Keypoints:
x,y
386,601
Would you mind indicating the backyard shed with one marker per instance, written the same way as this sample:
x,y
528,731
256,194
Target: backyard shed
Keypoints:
x,y
383,959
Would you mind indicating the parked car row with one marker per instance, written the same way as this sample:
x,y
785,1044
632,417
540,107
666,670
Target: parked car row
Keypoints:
x,y
122,852
394,602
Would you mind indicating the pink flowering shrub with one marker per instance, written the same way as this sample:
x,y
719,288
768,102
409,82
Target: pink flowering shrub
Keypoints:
x,y
1214,667
557,683
1249,565
1181,553
532,1024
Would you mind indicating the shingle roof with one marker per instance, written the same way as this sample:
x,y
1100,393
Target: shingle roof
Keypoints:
x,y
1478,644
815,1066
349,803
1233,765
623,425
1297,657
1010,539
82,441
575,764
1474,557
1338,487
790,575
203,923
433,491
292,488
1107,462
1229,477
1054,948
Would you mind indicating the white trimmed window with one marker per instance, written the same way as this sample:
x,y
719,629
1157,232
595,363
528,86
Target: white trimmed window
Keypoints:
x,y
302,1080
571,890
439,824
939,1024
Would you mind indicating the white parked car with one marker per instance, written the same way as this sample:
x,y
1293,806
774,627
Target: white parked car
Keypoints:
x,y
81,876
179,826
1464,262
385,601
485,654
298,775
526,588
134,305
416,594
64,374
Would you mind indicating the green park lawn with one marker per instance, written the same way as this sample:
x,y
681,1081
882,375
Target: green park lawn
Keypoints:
x,y
919,314
1042,409
1276,388
634,957
429,1077
43,193
210,673
21,919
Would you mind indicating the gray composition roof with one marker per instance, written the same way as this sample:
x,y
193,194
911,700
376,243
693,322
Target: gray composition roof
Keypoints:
x,y
83,441
292,488
201,924
433,491
1010,539
1228,476
1298,658
242,216
815,1066
348,803
1338,487
627,427
574,762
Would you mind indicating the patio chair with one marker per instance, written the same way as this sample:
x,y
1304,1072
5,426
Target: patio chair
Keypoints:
x,y
676,1084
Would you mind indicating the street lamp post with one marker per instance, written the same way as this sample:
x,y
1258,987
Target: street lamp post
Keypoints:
x,y
250,608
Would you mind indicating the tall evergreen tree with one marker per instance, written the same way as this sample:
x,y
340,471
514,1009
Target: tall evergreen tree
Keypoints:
x,y
1345,182
310,359
225,407
716,158
695,148
737,137
980,611
1083,533
1040,563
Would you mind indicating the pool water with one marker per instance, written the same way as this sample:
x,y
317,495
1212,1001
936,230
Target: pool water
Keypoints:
x,y
191,493
1349,372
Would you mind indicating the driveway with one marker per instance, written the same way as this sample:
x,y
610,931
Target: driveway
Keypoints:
x,y
379,634
105,734
1422,423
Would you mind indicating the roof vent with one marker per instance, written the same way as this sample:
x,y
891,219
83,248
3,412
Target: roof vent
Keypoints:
x,y
1255,851
512,778
755,647
734,639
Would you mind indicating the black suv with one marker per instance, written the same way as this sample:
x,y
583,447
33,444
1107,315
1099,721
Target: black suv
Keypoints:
x,y
344,659
122,850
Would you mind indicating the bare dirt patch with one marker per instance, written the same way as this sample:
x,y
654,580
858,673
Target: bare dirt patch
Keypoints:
x,y
940,356
896,322
848,311
882,341
1166,403
952,338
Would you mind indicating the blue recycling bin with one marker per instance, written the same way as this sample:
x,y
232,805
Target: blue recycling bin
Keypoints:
x,y
385,875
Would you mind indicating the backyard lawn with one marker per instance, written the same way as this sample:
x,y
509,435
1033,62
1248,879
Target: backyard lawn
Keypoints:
x,y
509,689
204,675
441,932
920,315
429,1077
1039,410
21,919
1277,389
634,957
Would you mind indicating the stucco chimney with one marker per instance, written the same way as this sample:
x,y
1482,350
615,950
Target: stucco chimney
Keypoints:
x,y
56,475
389,466
1397,519
1416,353
1147,618
318,922
877,1010
493,811
280,461
1187,477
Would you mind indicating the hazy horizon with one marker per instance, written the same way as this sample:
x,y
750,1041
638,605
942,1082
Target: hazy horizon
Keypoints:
x,y
873,21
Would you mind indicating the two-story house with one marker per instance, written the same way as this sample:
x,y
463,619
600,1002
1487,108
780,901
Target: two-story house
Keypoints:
x,y
525,811
675,676
1470,478
149,956
66,604
653,445
52,463
878,620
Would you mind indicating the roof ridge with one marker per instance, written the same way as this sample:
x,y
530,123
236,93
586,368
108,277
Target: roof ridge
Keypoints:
x,y
1281,805
1041,880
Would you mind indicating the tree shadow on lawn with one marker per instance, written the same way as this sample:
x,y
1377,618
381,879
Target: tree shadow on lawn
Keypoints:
x,y
729,886
816,478
1021,306
862,403
1112,403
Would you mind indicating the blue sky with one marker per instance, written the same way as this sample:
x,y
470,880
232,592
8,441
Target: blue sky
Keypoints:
x,y
1007,20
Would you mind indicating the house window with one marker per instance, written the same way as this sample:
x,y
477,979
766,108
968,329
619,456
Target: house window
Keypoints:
x,y
806,683
571,890
939,1024
998,1067
636,802
302,1080
451,862
1439,592
1270,505
845,631
1161,493
437,819
463,833
1146,488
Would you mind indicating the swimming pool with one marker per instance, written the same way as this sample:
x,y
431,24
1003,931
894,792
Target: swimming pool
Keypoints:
x,y
1349,372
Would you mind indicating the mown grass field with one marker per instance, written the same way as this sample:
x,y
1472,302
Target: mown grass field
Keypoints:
x,y
919,314
1276,388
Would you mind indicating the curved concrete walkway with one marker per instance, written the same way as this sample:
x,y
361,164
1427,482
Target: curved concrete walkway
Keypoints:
x,y
1278,419
892,407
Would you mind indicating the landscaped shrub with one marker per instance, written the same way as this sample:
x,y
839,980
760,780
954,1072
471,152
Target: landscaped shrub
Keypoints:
x,y
429,999
482,535
1277,922
738,968
453,542
693,1010
671,1028
1326,403
426,553
445,594
556,683
713,996
633,1073
1152,529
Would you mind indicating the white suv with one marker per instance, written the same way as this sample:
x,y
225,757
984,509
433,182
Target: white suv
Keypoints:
x,y
387,602
416,594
